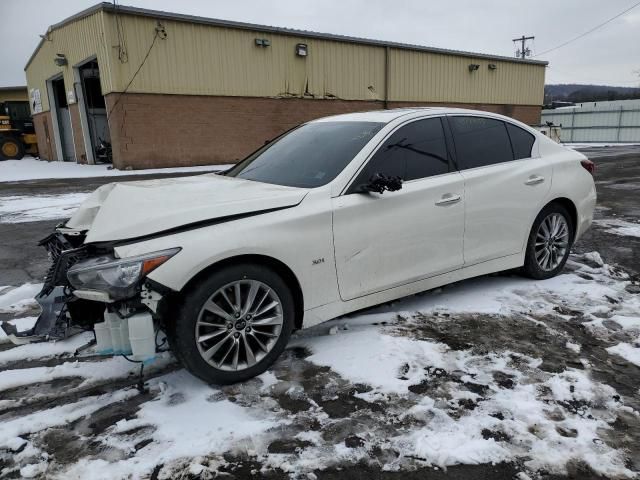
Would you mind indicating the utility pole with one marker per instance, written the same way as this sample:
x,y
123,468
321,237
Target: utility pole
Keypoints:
x,y
523,51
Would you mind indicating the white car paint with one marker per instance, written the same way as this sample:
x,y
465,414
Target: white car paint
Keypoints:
x,y
121,210
499,202
349,251
409,239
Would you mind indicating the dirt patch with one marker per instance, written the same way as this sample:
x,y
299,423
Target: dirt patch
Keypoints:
x,y
41,389
106,417
288,446
52,397
51,361
483,334
458,472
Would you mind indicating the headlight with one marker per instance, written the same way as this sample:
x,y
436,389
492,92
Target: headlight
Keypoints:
x,y
118,277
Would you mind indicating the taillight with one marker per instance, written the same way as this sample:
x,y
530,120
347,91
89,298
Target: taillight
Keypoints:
x,y
589,166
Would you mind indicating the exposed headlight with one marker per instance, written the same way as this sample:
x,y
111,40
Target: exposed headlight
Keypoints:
x,y
117,277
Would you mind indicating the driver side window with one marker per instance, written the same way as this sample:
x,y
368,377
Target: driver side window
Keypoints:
x,y
416,150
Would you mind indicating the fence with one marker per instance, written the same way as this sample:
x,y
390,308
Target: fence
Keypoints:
x,y
607,122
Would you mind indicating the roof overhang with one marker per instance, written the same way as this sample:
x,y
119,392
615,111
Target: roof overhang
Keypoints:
x,y
17,87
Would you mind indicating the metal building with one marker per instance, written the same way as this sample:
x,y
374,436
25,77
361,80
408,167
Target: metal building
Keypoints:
x,y
167,89
13,94
615,121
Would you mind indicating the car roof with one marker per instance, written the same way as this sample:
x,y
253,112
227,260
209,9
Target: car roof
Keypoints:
x,y
386,116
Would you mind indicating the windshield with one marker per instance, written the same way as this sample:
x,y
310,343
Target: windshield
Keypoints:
x,y
308,156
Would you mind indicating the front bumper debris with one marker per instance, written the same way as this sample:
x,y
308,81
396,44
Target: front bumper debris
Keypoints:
x,y
54,322
122,328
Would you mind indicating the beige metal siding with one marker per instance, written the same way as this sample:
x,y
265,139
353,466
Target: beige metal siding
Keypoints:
x,y
424,76
212,60
199,59
15,94
206,60
78,41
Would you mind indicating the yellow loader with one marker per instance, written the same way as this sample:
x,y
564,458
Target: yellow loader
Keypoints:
x,y
17,135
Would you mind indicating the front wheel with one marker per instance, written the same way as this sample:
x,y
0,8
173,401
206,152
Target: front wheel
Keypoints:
x,y
11,148
549,242
234,325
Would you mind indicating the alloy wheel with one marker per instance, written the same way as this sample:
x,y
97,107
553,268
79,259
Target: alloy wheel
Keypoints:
x,y
238,325
552,242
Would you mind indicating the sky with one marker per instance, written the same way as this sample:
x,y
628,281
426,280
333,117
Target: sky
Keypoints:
x,y
609,55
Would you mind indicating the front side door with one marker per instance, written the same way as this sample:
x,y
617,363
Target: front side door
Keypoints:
x,y
386,240
504,185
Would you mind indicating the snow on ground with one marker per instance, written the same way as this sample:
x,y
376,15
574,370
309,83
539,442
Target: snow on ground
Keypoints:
x,y
629,352
18,299
33,208
619,227
23,323
32,169
526,404
9,435
220,424
110,368
620,186
39,351
18,302
496,369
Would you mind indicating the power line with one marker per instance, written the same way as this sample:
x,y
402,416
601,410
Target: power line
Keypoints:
x,y
155,37
589,31
122,46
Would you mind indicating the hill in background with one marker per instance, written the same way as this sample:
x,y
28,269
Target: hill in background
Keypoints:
x,y
588,93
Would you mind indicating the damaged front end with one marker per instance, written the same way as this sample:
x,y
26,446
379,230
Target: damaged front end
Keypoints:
x,y
88,287
55,298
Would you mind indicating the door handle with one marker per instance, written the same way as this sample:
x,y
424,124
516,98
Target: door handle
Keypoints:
x,y
534,180
448,199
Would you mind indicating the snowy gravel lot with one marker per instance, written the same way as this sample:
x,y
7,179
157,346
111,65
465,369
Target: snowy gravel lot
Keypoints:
x,y
496,377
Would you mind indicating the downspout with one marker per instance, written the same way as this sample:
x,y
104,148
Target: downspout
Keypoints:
x,y
386,77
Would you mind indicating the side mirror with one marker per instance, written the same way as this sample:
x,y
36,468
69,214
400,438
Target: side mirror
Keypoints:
x,y
380,183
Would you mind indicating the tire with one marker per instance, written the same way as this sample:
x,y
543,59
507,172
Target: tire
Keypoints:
x,y
11,148
243,338
539,247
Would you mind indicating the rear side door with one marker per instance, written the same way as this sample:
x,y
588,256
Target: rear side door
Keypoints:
x,y
386,240
505,185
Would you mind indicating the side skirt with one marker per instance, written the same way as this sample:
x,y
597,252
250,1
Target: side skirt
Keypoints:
x,y
326,312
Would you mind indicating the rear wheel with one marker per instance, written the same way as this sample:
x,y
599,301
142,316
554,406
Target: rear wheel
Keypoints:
x,y
549,242
234,325
11,148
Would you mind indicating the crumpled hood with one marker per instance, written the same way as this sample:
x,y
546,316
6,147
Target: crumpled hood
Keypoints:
x,y
120,211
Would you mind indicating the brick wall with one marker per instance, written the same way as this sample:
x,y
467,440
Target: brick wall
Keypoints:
x,y
173,130
44,134
151,130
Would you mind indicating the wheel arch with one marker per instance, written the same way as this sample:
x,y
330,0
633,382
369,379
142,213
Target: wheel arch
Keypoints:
x,y
570,207
269,262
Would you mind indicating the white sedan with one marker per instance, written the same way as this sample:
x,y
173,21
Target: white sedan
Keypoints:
x,y
337,214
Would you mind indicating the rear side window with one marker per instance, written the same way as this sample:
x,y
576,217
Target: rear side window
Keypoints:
x,y
480,141
521,141
416,150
